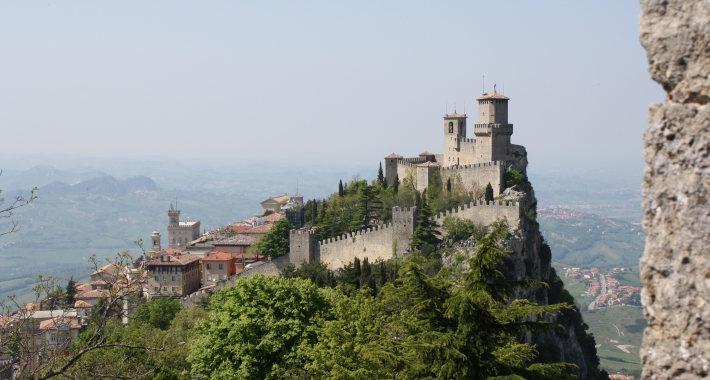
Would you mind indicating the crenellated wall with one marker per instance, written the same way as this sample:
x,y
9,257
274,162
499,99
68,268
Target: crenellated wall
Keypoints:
x,y
379,242
485,212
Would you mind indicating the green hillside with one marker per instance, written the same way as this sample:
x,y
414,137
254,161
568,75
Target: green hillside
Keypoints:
x,y
588,240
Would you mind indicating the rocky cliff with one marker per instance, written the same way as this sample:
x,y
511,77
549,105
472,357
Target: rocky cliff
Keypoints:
x,y
675,267
531,259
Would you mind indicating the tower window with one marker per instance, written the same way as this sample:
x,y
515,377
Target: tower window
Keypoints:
x,y
451,127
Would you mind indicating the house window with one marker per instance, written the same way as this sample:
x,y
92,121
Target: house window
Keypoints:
x,y
165,288
209,266
174,289
221,266
173,278
157,289
54,337
209,277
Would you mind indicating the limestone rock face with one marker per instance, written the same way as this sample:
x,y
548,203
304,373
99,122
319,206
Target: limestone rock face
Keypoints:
x,y
675,267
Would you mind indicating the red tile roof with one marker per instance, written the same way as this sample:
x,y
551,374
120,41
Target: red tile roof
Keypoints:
x,y
393,155
218,256
262,229
54,323
239,228
273,218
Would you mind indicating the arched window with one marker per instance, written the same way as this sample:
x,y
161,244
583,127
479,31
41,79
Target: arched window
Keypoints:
x,y
451,127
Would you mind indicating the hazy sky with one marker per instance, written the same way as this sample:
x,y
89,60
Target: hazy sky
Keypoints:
x,y
333,81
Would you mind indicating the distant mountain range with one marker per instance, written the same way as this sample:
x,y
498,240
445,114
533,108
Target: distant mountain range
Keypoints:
x,y
42,175
106,185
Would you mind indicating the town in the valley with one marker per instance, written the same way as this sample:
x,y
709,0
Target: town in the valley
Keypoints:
x,y
604,288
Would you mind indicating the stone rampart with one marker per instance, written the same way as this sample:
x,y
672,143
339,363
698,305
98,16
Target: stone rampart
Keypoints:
x,y
378,242
478,175
485,212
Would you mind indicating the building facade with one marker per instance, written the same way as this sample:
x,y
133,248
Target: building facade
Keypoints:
x,y
181,232
172,275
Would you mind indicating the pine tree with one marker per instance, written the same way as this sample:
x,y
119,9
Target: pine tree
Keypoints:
x,y
448,185
314,212
426,232
356,264
341,189
366,273
489,193
70,293
380,175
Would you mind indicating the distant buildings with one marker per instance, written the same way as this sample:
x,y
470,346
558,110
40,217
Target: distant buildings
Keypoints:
x,y
172,274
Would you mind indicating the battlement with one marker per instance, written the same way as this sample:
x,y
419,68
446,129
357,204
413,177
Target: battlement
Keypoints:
x,y
414,160
479,165
355,234
497,128
302,232
485,212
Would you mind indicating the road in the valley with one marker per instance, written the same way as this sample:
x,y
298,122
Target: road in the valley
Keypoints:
x,y
602,283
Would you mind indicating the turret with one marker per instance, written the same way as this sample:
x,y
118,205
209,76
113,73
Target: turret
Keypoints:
x,y
155,237
492,131
391,168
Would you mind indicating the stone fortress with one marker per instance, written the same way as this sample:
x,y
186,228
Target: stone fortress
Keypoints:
x,y
469,162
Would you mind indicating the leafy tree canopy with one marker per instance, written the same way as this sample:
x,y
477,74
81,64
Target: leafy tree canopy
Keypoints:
x,y
275,242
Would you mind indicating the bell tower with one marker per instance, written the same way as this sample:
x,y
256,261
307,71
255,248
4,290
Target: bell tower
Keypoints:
x,y
454,132
174,228
155,237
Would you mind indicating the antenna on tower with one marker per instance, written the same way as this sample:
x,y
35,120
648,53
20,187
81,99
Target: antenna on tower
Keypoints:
x,y
454,108
176,207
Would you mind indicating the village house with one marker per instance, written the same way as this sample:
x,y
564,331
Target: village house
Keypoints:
x,y
172,275
218,266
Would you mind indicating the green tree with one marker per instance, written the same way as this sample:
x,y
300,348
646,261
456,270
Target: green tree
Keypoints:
x,y
513,177
157,313
256,327
489,193
381,176
275,242
70,292
341,191
396,183
457,229
426,231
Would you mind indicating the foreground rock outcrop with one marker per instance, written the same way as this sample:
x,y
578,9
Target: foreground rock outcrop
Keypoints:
x,y
675,267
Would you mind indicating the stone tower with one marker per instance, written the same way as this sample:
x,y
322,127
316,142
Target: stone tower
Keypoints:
x,y
492,131
174,228
155,237
391,168
454,132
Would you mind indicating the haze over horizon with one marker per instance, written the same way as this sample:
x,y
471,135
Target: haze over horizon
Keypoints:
x,y
327,83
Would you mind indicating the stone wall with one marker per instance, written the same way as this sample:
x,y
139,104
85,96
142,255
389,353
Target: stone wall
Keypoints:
x,y
380,242
675,267
485,212
477,175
